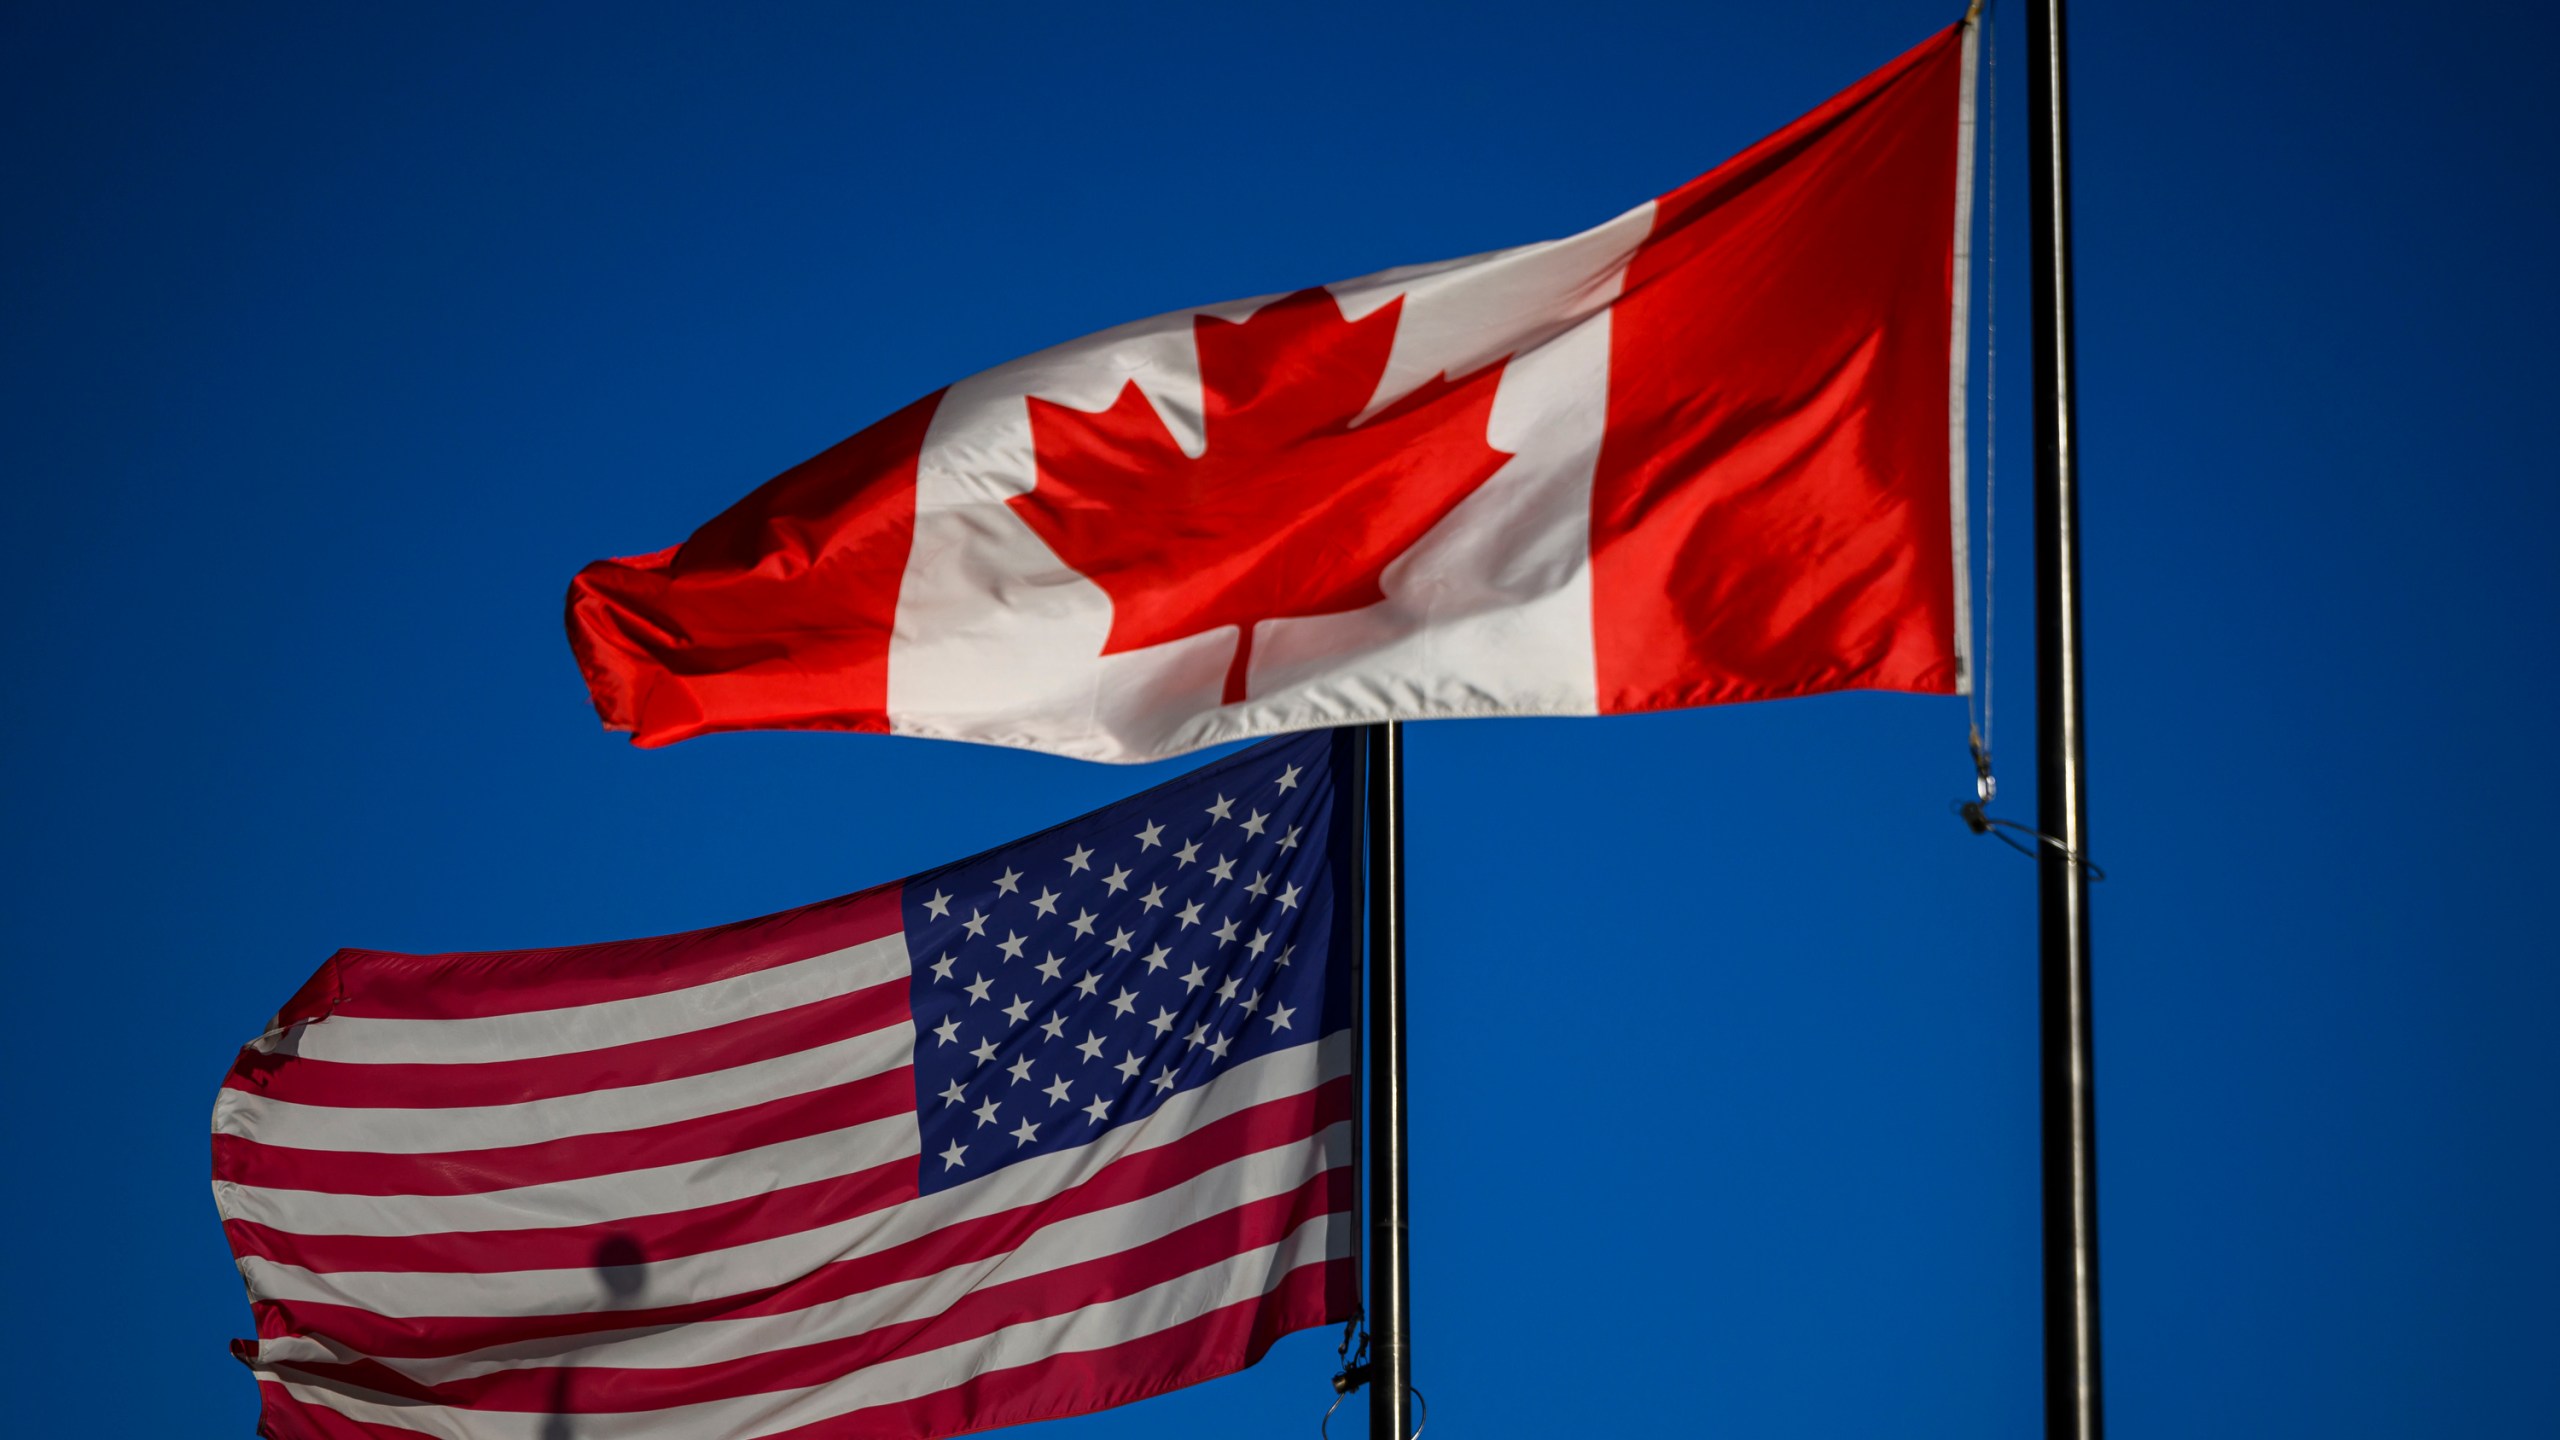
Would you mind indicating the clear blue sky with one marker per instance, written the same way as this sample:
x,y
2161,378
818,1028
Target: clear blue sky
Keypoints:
x,y
338,337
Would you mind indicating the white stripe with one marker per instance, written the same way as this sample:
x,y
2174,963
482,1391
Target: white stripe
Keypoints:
x,y
1054,1246
631,1107
907,1377
588,1200
1275,1076
358,1040
710,1275
1959,354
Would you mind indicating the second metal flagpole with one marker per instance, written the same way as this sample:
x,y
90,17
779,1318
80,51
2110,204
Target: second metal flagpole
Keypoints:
x,y
1390,1327
2071,1372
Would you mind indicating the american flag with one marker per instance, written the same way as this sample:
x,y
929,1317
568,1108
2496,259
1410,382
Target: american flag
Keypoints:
x,y
1051,1129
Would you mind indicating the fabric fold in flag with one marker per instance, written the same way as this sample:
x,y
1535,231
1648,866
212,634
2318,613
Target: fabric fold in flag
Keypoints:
x,y
1708,451
1047,1130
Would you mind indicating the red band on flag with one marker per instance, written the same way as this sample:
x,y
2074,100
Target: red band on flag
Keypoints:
x,y
1771,513
358,983
682,642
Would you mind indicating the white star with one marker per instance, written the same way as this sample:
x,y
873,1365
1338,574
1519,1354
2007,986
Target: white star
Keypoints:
x,y
1153,899
1223,810
1224,869
939,906
1011,945
1049,968
1193,977
1091,1045
1260,942
1163,1021
1253,824
1258,886
976,925
1125,1001
1188,853
1082,924
951,1157
987,1112
1119,942
1057,1091
1100,1110
1079,860
949,1029
1026,1132
1151,837
1227,932
1155,959
1289,777
1163,1080
1117,880
985,1050
1286,952
1288,897
942,968
1021,1069
1227,991
952,1094
1054,1026
1086,986
977,989
1046,902
1130,1067
1010,882
1190,914
1019,1011
1280,1016
1253,1002
1199,1035
1218,1047
1290,840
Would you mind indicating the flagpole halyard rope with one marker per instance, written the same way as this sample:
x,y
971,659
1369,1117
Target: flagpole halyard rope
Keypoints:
x,y
1998,829
1979,741
1982,705
1358,750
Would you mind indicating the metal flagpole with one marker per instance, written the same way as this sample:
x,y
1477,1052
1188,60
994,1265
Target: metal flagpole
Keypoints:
x,y
2071,1374
1391,1338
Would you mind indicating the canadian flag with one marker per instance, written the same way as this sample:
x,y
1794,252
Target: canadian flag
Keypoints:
x,y
1709,451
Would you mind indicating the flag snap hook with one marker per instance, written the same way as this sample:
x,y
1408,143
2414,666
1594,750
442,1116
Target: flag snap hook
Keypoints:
x,y
1981,822
1354,1373
1357,1370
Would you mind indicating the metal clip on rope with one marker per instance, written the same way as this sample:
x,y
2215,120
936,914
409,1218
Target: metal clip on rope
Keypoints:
x,y
1980,822
1356,1372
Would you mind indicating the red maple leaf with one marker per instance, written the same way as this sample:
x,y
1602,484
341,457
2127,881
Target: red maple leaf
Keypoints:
x,y
1291,509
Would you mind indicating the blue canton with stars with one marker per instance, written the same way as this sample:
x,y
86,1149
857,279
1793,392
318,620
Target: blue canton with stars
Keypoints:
x,y
1068,983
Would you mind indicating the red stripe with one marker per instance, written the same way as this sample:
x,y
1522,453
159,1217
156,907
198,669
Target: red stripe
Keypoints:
x,y
620,1242
383,984
510,1082
1770,511
1289,1120
1218,1343
775,614
283,1417
576,1157
1221,1342
612,1389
